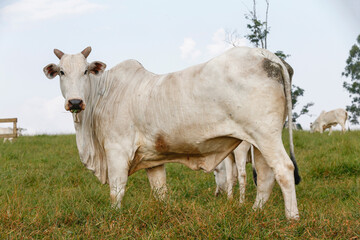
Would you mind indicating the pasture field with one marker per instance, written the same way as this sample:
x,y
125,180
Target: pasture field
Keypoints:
x,y
46,193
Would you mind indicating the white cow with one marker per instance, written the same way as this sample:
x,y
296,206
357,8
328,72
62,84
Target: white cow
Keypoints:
x,y
329,119
127,118
7,130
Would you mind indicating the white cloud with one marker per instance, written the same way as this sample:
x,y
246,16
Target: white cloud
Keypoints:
x,y
35,10
188,50
219,45
40,115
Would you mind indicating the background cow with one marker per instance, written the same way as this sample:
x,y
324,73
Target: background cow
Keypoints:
x,y
329,119
127,119
232,169
9,130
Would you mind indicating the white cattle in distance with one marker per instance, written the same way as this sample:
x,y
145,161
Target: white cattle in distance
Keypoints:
x,y
127,118
328,120
233,169
9,130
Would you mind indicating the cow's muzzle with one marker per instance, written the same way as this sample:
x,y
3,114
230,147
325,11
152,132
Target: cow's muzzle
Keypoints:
x,y
75,105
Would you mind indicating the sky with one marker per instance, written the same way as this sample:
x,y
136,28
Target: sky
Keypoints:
x,y
165,36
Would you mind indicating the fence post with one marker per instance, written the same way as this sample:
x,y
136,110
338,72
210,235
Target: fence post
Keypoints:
x,y
15,128
14,121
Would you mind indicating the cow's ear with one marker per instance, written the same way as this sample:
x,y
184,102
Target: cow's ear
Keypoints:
x,y
51,70
96,67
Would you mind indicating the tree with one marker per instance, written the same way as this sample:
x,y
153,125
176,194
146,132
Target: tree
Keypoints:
x,y
352,70
258,37
296,92
258,29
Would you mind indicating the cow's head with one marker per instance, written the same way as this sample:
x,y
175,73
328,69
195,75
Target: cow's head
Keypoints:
x,y
74,72
220,177
314,127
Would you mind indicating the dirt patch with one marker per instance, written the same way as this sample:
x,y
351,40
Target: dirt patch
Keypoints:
x,y
160,144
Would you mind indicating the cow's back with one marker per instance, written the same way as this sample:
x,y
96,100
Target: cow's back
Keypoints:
x,y
193,113
221,84
335,116
191,116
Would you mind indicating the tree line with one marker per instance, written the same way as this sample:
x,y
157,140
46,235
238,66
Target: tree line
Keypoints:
x,y
258,36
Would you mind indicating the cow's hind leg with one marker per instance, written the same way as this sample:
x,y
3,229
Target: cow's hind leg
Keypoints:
x,y
277,159
241,153
157,180
265,180
343,129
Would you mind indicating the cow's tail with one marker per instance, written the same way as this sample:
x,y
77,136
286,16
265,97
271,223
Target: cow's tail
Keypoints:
x,y
347,120
287,85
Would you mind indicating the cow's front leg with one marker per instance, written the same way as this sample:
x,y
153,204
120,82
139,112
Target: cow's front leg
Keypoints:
x,y
330,130
241,153
157,180
118,170
229,176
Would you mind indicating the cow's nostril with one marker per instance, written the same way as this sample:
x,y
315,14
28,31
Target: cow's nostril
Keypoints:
x,y
75,104
75,101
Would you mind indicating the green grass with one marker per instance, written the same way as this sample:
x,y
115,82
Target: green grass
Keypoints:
x,y
46,193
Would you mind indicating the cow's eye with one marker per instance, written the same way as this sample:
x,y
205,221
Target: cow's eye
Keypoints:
x,y
85,72
62,73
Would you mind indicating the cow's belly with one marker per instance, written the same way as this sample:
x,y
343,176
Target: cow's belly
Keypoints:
x,y
328,125
204,155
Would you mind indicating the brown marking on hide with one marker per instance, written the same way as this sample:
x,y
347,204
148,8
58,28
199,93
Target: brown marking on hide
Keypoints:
x,y
328,125
290,166
284,182
273,70
113,198
160,144
229,80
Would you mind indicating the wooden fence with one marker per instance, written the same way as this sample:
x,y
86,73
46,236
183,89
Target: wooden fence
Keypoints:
x,y
14,121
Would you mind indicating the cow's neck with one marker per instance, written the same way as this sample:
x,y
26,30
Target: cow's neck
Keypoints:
x,y
90,151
